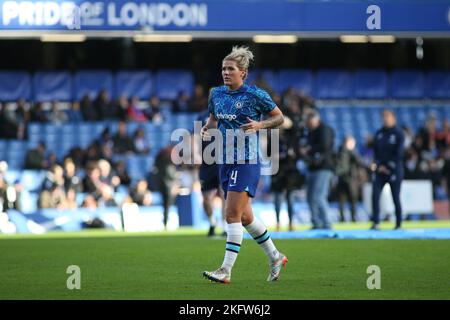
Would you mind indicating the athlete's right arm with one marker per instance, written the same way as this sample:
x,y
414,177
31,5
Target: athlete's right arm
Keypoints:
x,y
210,124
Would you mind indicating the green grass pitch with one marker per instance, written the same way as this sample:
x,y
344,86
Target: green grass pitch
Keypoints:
x,y
117,265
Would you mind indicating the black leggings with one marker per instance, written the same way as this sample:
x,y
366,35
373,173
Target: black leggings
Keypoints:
x,y
395,182
278,199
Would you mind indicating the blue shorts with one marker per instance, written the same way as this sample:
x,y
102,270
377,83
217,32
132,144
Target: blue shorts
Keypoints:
x,y
240,178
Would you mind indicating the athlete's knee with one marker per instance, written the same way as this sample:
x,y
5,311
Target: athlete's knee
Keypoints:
x,y
232,214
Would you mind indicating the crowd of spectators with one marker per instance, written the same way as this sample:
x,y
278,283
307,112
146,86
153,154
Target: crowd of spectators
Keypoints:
x,y
13,122
427,152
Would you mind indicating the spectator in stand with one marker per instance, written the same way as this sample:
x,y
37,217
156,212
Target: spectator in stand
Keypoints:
x,y
153,112
428,133
411,164
74,113
71,199
103,106
446,174
92,154
107,197
51,159
106,175
181,103
122,108
57,115
443,136
122,142
54,177
9,195
22,117
87,109
122,173
134,112
21,113
35,158
37,113
409,136
89,202
141,144
140,194
367,150
91,182
53,198
71,180
199,100
78,157
8,127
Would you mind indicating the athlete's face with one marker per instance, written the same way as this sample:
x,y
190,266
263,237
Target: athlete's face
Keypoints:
x,y
232,76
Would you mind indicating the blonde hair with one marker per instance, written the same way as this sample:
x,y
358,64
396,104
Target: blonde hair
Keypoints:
x,y
242,56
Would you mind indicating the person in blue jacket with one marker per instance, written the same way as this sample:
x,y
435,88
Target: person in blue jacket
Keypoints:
x,y
387,166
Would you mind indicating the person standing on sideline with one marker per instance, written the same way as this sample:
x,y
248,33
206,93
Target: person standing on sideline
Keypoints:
x,y
347,170
320,159
387,166
210,184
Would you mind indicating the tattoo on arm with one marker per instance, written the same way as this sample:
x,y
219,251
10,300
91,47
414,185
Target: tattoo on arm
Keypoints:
x,y
272,122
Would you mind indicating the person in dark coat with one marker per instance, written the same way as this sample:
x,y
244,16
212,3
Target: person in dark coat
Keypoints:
x,y
388,166
347,169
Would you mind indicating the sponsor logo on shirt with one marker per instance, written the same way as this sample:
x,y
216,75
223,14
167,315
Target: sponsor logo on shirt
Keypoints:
x,y
225,116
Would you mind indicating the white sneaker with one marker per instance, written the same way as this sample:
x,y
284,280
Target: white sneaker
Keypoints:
x,y
221,275
275,267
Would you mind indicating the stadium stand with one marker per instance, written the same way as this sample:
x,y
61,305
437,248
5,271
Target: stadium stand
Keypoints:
x,y
350,102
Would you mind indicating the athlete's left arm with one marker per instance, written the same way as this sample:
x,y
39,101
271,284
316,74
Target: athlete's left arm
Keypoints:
x,y
275,119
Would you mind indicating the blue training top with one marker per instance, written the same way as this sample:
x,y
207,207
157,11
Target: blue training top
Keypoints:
x,y
231,108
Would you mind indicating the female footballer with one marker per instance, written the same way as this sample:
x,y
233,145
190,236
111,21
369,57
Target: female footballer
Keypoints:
x,y
238,106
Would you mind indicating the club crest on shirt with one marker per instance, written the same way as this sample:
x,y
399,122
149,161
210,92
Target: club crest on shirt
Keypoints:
x,y
392,139
238,104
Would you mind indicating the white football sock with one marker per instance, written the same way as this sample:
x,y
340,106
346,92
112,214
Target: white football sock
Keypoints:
x,y
260,234
235,234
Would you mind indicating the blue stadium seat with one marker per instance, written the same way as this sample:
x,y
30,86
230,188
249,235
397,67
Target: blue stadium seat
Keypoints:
x,y
3,144
407,84
370,84
15,145
438,84
68,129
91,82
134,83
35,128
32,179
29,201
170,82
137,167
297,79
333,84
15,85
15,158
49,86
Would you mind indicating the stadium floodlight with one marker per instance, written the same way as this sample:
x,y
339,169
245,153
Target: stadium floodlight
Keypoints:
x,y
354,39
63,37
382,39
162,38
269,38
